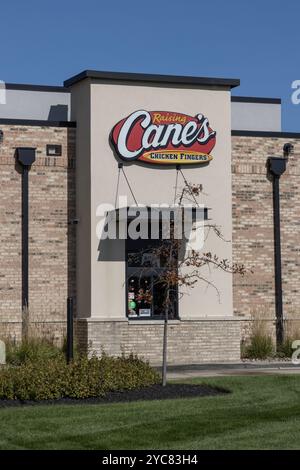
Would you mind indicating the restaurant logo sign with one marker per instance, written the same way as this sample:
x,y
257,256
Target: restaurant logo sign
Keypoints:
x,y
164,137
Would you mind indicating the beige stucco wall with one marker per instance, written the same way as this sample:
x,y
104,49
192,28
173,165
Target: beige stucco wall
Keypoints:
x,y
152,184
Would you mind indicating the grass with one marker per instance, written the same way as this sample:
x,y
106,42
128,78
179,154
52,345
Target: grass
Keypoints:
x,y
262,412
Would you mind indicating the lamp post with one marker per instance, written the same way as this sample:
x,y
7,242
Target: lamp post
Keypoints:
x,y
25,156
69,351
277,166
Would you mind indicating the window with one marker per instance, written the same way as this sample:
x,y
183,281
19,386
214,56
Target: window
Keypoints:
x,y
53,150
146,293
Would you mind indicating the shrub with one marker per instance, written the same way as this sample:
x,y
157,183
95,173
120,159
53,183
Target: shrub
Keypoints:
x,y
83,378
260,346
35,349
285,349
292,333
32,349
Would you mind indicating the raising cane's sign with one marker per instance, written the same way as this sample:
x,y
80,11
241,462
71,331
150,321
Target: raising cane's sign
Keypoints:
x,y
164,137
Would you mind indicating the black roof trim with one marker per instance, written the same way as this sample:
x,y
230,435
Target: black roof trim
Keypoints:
x,y
141,77
288,135
23,86
250,99
33,122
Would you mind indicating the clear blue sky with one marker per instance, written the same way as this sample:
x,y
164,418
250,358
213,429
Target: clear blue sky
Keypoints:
x,y
46,42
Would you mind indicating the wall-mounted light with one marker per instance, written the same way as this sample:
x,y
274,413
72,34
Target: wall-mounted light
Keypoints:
x,y
1,136
288,149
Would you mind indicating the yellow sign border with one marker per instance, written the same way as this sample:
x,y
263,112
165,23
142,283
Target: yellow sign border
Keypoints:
x,y
175,161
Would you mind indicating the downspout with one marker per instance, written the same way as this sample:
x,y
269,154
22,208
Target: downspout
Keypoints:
x,y
25,156
277,166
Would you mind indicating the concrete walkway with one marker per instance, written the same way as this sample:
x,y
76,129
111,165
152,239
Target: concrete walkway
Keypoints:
x,y
233,369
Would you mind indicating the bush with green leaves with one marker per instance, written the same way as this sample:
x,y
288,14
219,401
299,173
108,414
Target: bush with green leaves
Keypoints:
x,y
45,379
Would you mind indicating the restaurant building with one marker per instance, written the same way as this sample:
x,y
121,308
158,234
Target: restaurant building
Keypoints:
x,y
67,151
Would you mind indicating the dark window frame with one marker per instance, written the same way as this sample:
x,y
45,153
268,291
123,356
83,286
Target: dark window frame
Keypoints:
x,y
56,147
134,270
130,271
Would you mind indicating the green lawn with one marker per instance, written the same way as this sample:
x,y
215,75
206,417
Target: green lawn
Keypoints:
x,y
263,412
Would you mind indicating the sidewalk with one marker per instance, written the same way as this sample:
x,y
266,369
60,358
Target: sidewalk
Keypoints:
x,y
241,368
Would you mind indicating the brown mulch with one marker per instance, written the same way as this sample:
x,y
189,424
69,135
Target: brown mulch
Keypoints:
x,y
154,392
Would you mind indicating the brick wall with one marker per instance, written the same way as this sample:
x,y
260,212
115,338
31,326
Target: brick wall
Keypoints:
x,y
253,240
188,341
52,250
51,239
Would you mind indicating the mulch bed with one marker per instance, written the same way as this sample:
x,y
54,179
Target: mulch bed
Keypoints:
x,y
155,392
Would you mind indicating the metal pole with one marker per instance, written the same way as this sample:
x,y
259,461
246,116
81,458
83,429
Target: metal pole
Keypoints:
x,y
277,167
25,156
69,329
165,345
277,256
165,341
25,272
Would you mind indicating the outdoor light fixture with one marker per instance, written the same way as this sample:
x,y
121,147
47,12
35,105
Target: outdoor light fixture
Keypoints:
x,y
277,166
25,156
1,136
288,149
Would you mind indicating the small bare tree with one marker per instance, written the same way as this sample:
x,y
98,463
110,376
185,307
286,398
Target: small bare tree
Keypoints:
x,y
176,259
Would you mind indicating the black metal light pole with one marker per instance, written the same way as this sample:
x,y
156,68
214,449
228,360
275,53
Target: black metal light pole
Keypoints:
x,y
277,166
25,157
165,340
70,353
